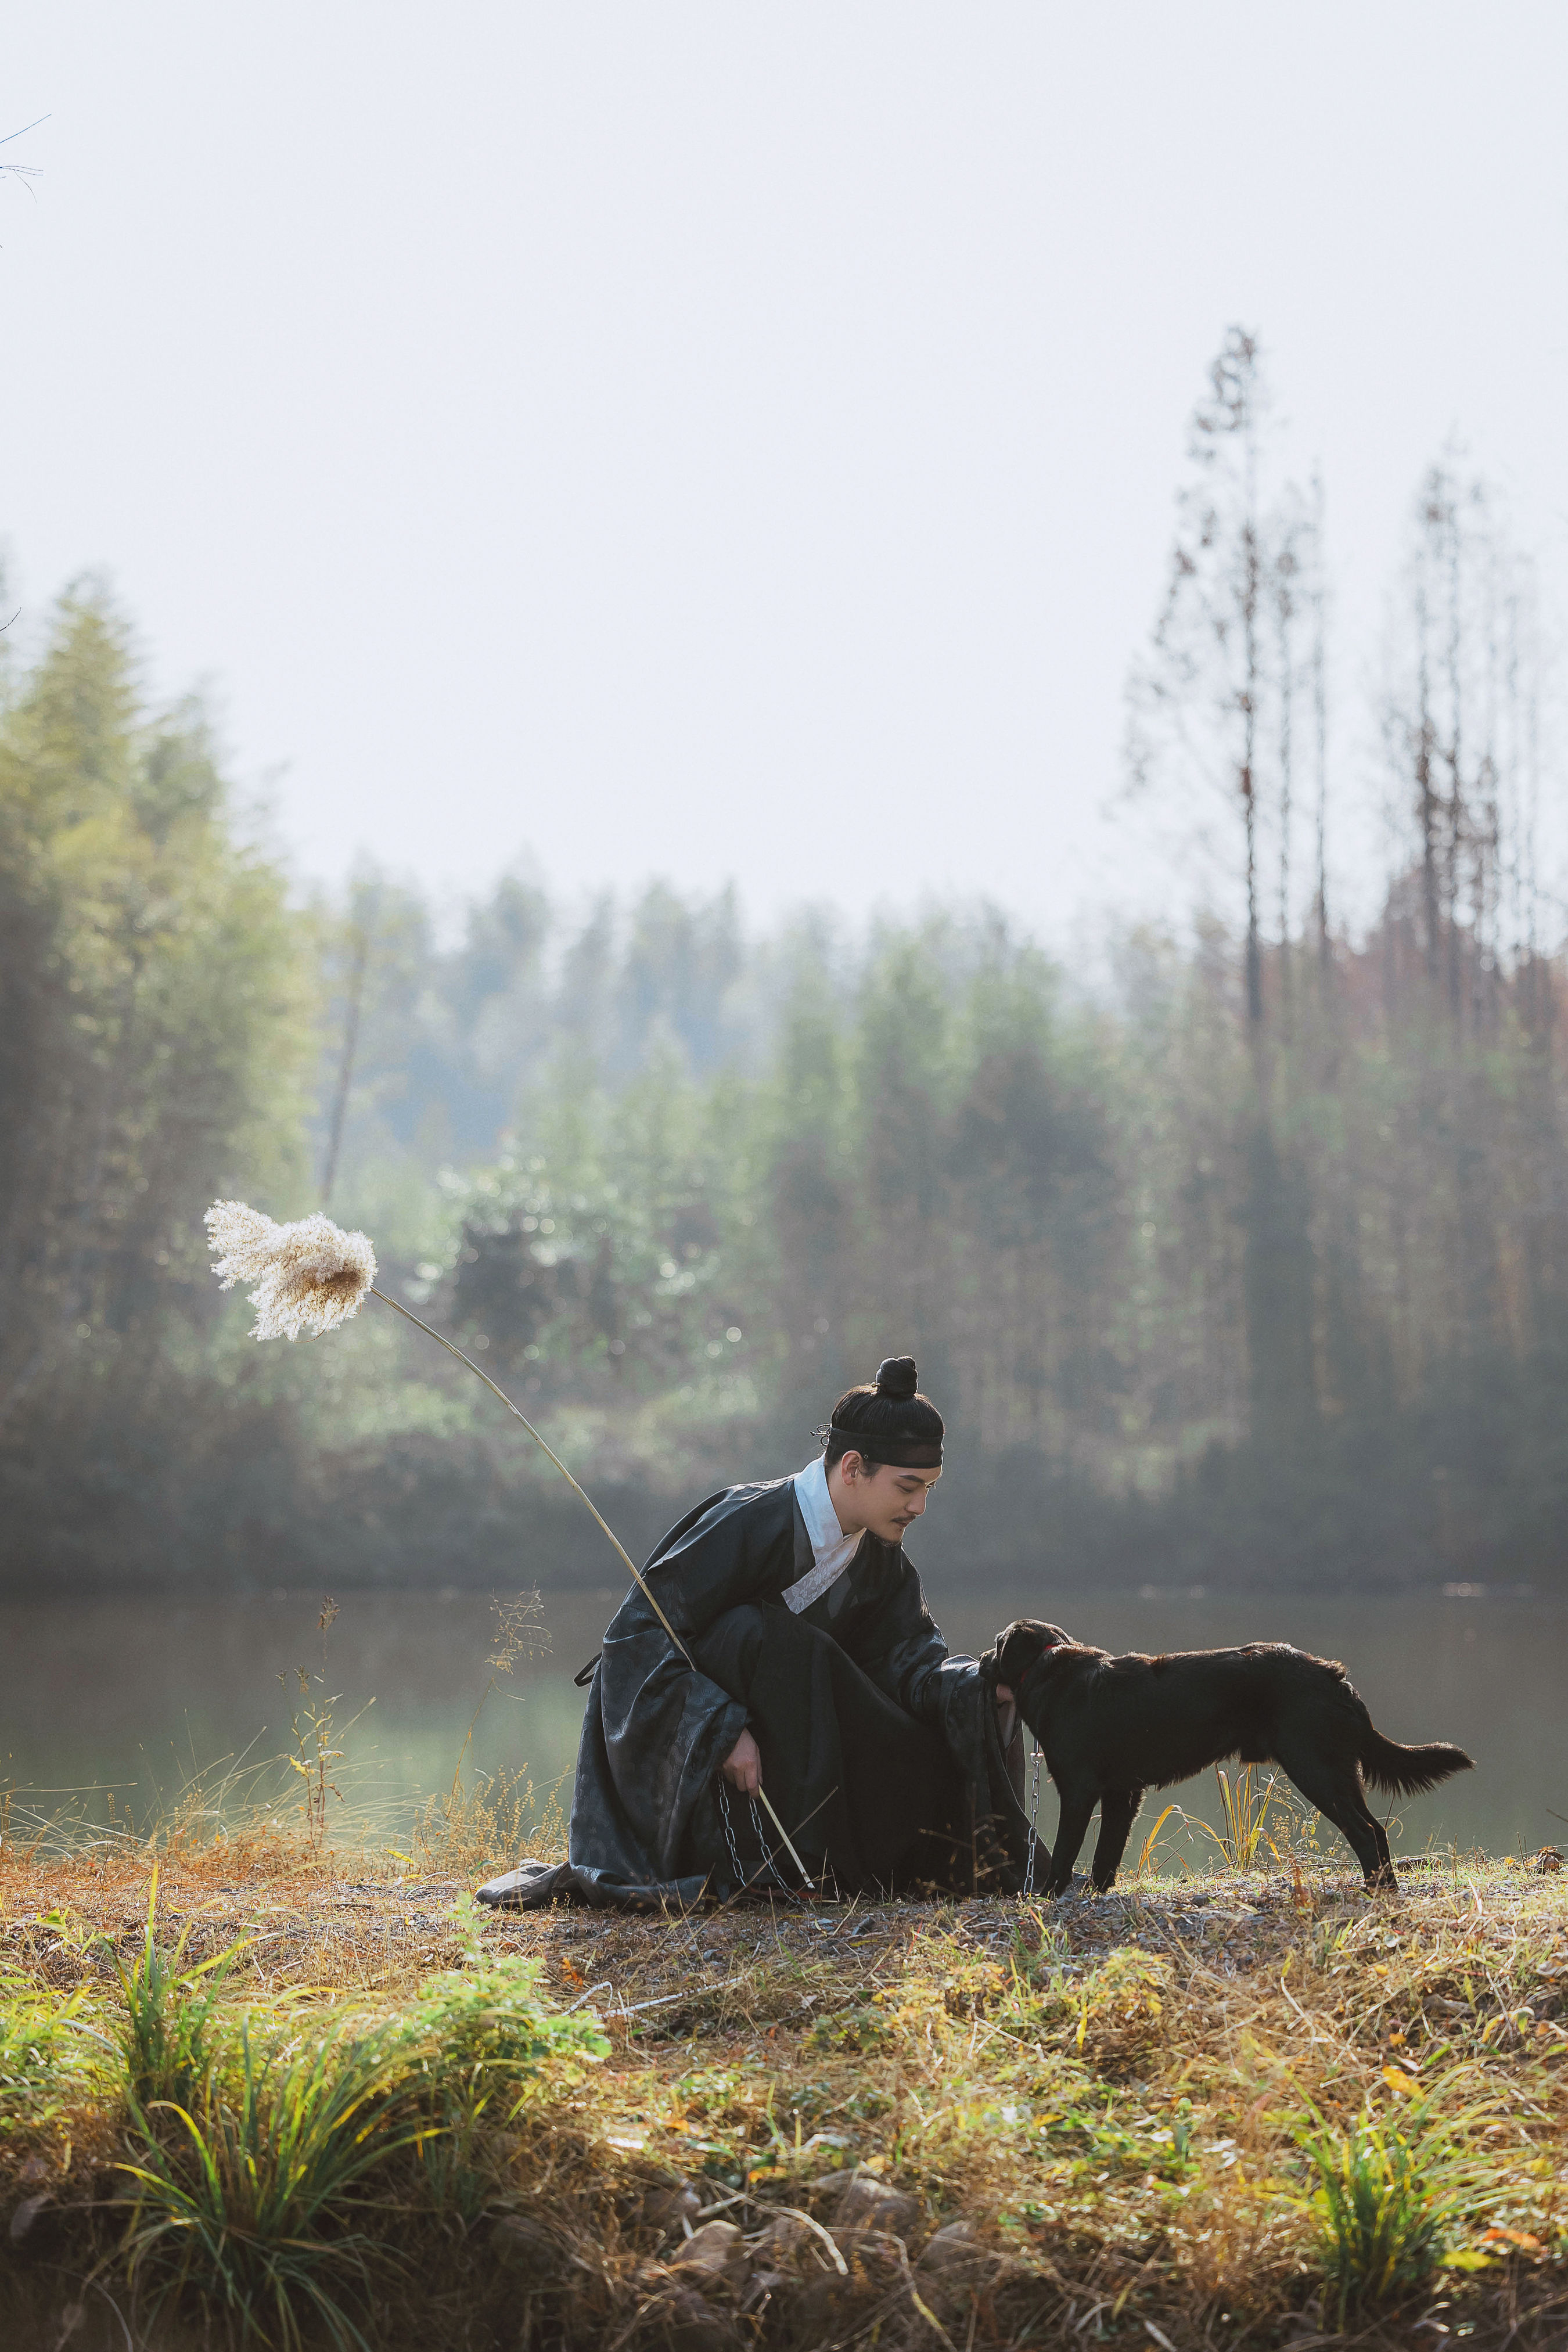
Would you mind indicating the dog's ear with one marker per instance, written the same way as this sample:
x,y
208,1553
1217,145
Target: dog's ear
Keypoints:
x,y
991,1672
1016,1648
1028,1649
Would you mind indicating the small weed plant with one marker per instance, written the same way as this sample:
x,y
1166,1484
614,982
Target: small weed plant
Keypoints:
x,y
170,2014
46,2062
490,2018
1244,1806
1389,2188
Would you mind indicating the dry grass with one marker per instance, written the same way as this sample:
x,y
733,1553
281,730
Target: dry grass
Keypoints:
x,y
1112,2093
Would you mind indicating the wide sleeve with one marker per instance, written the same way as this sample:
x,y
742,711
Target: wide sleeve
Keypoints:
x,y
897,1643
900,1648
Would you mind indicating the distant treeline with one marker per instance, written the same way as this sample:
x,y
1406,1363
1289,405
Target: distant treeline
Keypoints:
x,y
1246,1267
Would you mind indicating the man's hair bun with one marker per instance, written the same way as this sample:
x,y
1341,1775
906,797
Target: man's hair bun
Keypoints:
x,y
888,1422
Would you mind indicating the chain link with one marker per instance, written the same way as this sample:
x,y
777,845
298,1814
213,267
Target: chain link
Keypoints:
x,y
767,1852
730,1831
769,1858
1034,1825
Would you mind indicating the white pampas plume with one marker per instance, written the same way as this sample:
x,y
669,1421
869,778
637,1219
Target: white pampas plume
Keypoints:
x,y
309,1276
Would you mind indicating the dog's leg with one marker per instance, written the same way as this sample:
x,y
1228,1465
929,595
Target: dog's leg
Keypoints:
x,y
1338,1797
1364,1831
1118,1811
1382,1877
1072,1825
1386,1874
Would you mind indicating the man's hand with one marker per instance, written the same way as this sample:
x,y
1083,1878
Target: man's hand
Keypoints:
x,y
1004,1696
743,1767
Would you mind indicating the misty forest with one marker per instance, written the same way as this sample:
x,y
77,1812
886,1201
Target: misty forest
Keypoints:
x,y
1234,1248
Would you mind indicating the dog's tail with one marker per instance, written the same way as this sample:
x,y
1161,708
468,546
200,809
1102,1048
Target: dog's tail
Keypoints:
x,y
1406,1771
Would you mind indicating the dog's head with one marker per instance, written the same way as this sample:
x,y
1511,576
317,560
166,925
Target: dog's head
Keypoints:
x,y
1019,1646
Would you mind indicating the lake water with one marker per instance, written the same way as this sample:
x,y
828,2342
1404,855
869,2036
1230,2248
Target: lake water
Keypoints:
x,y
139,1697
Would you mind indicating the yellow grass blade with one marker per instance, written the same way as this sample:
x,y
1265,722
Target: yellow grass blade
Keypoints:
x,y
1146,1855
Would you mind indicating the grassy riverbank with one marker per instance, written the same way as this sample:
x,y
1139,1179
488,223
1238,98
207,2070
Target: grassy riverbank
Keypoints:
x,y
1253,2109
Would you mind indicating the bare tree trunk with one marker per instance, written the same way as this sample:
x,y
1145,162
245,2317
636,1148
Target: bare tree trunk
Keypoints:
x,y
359,935
1320,717
1246,412
1254,951
1532,824
1284,608
1426,808
1453,760
1250,699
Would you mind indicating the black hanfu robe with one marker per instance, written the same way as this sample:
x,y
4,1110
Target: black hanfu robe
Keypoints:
x,y
881,1753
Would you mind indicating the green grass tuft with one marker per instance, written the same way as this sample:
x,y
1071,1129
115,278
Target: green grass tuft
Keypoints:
x,y
251,2194
171,2015
1390,2187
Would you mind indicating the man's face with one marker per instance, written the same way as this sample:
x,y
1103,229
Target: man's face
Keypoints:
x,y
886,1500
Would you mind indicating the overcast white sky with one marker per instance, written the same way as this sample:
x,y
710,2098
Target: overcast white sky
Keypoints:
x,y
731,440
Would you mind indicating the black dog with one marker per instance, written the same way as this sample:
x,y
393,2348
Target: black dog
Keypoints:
x,y
1112,1727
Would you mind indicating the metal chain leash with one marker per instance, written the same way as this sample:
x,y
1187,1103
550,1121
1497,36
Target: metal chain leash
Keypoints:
x,y
730,1831
767,1852
768,1859
1034,1825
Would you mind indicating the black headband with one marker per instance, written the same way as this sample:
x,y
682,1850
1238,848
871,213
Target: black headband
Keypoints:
x,y
897,1453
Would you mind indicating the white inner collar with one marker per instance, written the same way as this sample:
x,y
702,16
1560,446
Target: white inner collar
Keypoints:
x,y
831,1550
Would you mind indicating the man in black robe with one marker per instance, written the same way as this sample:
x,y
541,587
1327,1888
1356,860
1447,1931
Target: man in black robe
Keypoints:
x,y
806,1664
